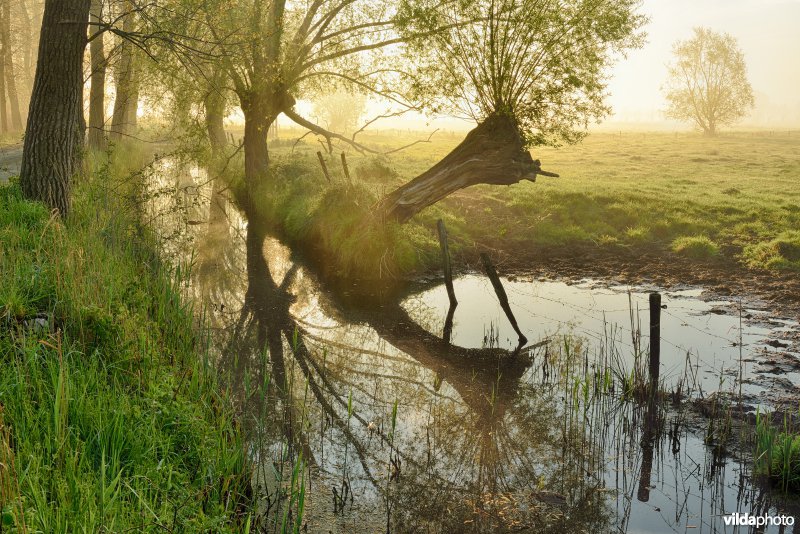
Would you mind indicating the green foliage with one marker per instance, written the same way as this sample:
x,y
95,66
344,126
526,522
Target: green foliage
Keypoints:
x,y
543,62
116,423
698,247
707,84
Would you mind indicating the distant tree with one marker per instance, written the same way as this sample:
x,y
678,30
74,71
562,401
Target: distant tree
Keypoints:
x,y
55,130
707,83
97,104
340,111
126,88
8,65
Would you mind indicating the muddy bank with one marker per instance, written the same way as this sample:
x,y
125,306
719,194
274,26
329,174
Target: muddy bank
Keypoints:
x,y
777,291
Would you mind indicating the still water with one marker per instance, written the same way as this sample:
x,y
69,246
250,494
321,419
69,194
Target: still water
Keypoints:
x,y
375,415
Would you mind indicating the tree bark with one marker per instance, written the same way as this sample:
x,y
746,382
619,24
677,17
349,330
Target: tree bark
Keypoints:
x,y
8,61
256,126
214,103
125,100
492,153
3,107
97,93
261,108
53,141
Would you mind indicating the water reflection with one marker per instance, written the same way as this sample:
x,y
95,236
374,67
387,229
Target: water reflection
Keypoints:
x,y
404,424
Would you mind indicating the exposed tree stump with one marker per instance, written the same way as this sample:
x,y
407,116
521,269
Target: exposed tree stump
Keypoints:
x,y
493,153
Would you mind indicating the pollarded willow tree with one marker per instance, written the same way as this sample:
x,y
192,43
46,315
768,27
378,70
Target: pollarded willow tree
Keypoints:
x,y
277,51
707,84
528,72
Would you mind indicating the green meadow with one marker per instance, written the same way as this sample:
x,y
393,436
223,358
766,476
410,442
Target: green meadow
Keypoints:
x,y
730,199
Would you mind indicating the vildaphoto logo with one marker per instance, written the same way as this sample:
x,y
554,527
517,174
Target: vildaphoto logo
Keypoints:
x,y
737,519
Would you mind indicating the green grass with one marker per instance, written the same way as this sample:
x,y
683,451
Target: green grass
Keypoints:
x,y
698,247
110,419
334,222
733,197
777,453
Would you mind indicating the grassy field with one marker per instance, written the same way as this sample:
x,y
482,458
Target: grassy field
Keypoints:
x,y
110,419
735,198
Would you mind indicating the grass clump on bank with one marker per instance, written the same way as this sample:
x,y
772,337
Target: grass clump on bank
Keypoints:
x,y
783,252
697,247
335,223
778,453
110,419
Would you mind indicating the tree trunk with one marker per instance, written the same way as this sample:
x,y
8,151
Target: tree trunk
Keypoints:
x,y
256,125
132,103
3,107
8,60
97,93
492,153
52,140
124,82
214,103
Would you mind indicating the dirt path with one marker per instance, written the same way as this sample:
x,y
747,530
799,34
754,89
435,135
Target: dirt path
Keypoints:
x,y
10,160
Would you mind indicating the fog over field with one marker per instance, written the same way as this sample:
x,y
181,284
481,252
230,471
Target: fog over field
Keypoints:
x,y
767,34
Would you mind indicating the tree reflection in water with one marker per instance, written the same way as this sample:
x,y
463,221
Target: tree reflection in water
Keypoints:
x,y
473,449
486,439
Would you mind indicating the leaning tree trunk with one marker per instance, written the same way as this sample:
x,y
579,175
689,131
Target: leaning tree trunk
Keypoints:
x,y
53,141
97,105
492,153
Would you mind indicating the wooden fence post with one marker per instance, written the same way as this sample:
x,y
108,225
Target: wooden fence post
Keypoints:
x,y
346,169
655,340
448,272
324,167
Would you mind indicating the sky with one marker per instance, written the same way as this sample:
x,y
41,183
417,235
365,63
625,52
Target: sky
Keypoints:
x,y
768,35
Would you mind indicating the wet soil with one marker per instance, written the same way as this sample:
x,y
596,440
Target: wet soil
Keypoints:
x,y
776,291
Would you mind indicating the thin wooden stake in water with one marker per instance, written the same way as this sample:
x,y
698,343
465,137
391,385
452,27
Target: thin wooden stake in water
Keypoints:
x,y
655,339
324,167
501,295
651,417
346,169
448,272
448,324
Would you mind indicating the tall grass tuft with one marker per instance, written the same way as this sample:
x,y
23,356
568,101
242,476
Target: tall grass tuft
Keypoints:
x,y
106,405
777,453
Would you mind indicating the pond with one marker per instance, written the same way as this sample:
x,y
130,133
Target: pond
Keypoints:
x,y
369,414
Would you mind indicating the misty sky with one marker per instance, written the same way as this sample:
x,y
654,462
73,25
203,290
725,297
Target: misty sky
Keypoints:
x,y
768,34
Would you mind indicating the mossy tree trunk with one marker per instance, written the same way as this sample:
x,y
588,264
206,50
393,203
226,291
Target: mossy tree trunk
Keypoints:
x,y
54,138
